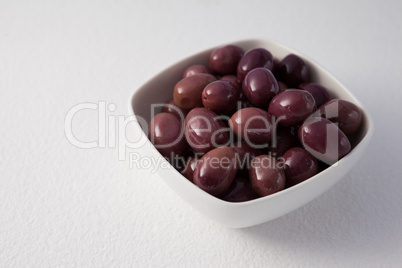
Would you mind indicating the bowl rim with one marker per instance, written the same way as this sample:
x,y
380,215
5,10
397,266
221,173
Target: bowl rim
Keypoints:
x,y
362,143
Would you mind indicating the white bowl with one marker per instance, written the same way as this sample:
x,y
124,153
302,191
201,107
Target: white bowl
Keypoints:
x,y
244,214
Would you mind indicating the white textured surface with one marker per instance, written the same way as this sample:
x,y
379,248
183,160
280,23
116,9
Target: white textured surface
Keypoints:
x,y
65,206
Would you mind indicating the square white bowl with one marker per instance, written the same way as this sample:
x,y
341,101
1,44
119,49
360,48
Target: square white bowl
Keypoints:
x,y
244,214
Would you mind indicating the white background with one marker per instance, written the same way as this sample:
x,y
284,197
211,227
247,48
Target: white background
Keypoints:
x,y
65,206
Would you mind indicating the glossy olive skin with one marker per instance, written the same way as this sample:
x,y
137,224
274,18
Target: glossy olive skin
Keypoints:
x,y
254,58
188,170
346,114
283,138
204,130
239,191
215,171
293,71
245,154
291,107
220,97
187,92
197,69
324,140
165,131
266,175
171,107
319,93
260,86
252,125
224,60
232,79
300,165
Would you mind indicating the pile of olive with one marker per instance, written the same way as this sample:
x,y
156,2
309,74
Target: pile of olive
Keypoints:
x,y
249,125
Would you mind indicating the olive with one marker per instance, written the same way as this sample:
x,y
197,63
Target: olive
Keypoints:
x,y
299,165
324,140
347,115
254,58
215,171
253,125
319,93
204,130
220,97
260,86
224,60
166,132
197,69
266,175
293,71
187,92
291,107
171,107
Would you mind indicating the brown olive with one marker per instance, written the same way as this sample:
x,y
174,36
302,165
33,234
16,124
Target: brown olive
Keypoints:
x,y
267,175
215,171
187,92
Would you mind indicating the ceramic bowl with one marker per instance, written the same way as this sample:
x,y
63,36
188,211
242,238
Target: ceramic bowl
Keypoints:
x,y
244,214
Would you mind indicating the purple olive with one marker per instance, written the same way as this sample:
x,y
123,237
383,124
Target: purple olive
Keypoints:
x,y
291,107
299,165
197,69
215,171
293,71
323,139
253,125
266,175
319,93
224,60
233,79
187,92
245,154
260,86
165,131
171,107
220,97
346,114
239,191
254,58
204,130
